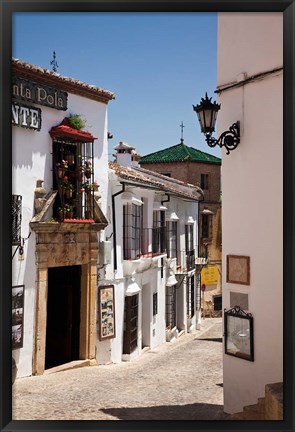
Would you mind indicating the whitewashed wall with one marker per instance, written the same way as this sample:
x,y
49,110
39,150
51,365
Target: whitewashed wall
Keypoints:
x,y
32,160
252,193
151,329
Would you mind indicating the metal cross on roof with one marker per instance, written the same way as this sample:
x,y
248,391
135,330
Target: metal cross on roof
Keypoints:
x,y
182,126
54,63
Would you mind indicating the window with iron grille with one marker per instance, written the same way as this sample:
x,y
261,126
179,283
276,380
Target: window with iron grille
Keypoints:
x,y
155,304
172,245
73,178
205,181
205,226
16,219
158,242
217,303
130,324
132,231
171,306
190,297
189,247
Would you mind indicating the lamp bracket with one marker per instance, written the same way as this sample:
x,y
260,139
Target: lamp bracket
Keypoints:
x,y
228,139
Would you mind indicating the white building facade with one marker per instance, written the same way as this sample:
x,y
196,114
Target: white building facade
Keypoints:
x,y
153,237
250,90
54,264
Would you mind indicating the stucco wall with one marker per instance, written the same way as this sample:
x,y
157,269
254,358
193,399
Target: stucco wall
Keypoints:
x,y
252,201
32,160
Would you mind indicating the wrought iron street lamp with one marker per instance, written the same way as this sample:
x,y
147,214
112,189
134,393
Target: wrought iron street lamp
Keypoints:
x,y
207,115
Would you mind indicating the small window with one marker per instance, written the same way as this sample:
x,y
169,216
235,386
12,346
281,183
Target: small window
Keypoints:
x,y
132,231
190,297
205,226
171,307
16,219
217,303
205,181
155,304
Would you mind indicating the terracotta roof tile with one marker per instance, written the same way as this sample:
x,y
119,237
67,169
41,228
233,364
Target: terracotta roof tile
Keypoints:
x,y
69,84
143,177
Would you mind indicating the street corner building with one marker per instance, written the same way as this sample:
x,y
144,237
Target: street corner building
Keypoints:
x,y
59,181
103,253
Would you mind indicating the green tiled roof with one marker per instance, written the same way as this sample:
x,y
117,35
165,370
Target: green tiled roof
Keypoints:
x,y
179,153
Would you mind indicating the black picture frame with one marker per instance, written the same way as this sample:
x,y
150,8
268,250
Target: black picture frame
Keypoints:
x,y
238,333
6,9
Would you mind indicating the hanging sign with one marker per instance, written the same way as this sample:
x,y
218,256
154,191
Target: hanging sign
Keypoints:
x,y
41,94
26,116
209,275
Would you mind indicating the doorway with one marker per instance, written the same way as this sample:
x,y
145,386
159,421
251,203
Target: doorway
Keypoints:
x,y
63,315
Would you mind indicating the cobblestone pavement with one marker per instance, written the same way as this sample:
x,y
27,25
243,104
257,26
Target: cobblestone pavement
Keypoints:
x,y
177,381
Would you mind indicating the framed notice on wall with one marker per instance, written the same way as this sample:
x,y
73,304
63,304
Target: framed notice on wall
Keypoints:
x,y
18,292
106,311
238,269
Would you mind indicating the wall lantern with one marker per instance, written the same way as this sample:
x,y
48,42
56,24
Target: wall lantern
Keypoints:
x,y
207,115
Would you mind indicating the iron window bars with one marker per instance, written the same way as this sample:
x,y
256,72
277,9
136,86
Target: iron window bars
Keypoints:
x,y
238,333
170,306
16,219
73,178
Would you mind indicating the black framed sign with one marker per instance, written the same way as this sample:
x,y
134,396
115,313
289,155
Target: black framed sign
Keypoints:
x,y
238,333
18,292
106,312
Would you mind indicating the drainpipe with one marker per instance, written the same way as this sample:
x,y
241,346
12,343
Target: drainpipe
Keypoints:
x,y
114,224
167,200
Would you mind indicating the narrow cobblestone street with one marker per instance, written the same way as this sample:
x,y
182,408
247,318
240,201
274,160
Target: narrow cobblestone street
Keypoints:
x,y
177,381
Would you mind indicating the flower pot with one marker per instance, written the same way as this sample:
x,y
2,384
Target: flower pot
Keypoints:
x,y
60,215
59,172
68,193
69,215
87,214
87,174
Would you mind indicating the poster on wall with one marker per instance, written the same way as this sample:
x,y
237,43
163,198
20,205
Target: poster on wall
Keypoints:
x,y
238,269
106,308
17,316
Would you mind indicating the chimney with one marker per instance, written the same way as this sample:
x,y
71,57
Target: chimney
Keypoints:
x,y
124,154
135,158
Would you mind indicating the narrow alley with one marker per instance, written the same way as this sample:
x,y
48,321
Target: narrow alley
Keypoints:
x,y
177,381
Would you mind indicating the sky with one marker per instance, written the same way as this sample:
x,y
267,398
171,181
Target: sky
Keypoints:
x,y
157,64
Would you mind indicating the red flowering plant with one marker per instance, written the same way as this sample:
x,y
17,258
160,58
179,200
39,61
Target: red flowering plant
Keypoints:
x,y
66,184
89,186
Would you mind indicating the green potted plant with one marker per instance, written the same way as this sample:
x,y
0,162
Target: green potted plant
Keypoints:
x,y
68,187
69,211
76,121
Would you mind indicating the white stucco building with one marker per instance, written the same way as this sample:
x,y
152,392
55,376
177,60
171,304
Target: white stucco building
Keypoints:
x,y
153,234
250,90
54,265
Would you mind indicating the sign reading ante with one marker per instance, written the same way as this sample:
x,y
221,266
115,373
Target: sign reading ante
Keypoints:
x,y
40,94
25,116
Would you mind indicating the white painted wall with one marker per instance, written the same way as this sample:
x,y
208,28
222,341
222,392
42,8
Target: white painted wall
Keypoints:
x,y
146,272
252,194
32,160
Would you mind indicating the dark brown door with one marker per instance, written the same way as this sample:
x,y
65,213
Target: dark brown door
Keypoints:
x,y
63,315
130,324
